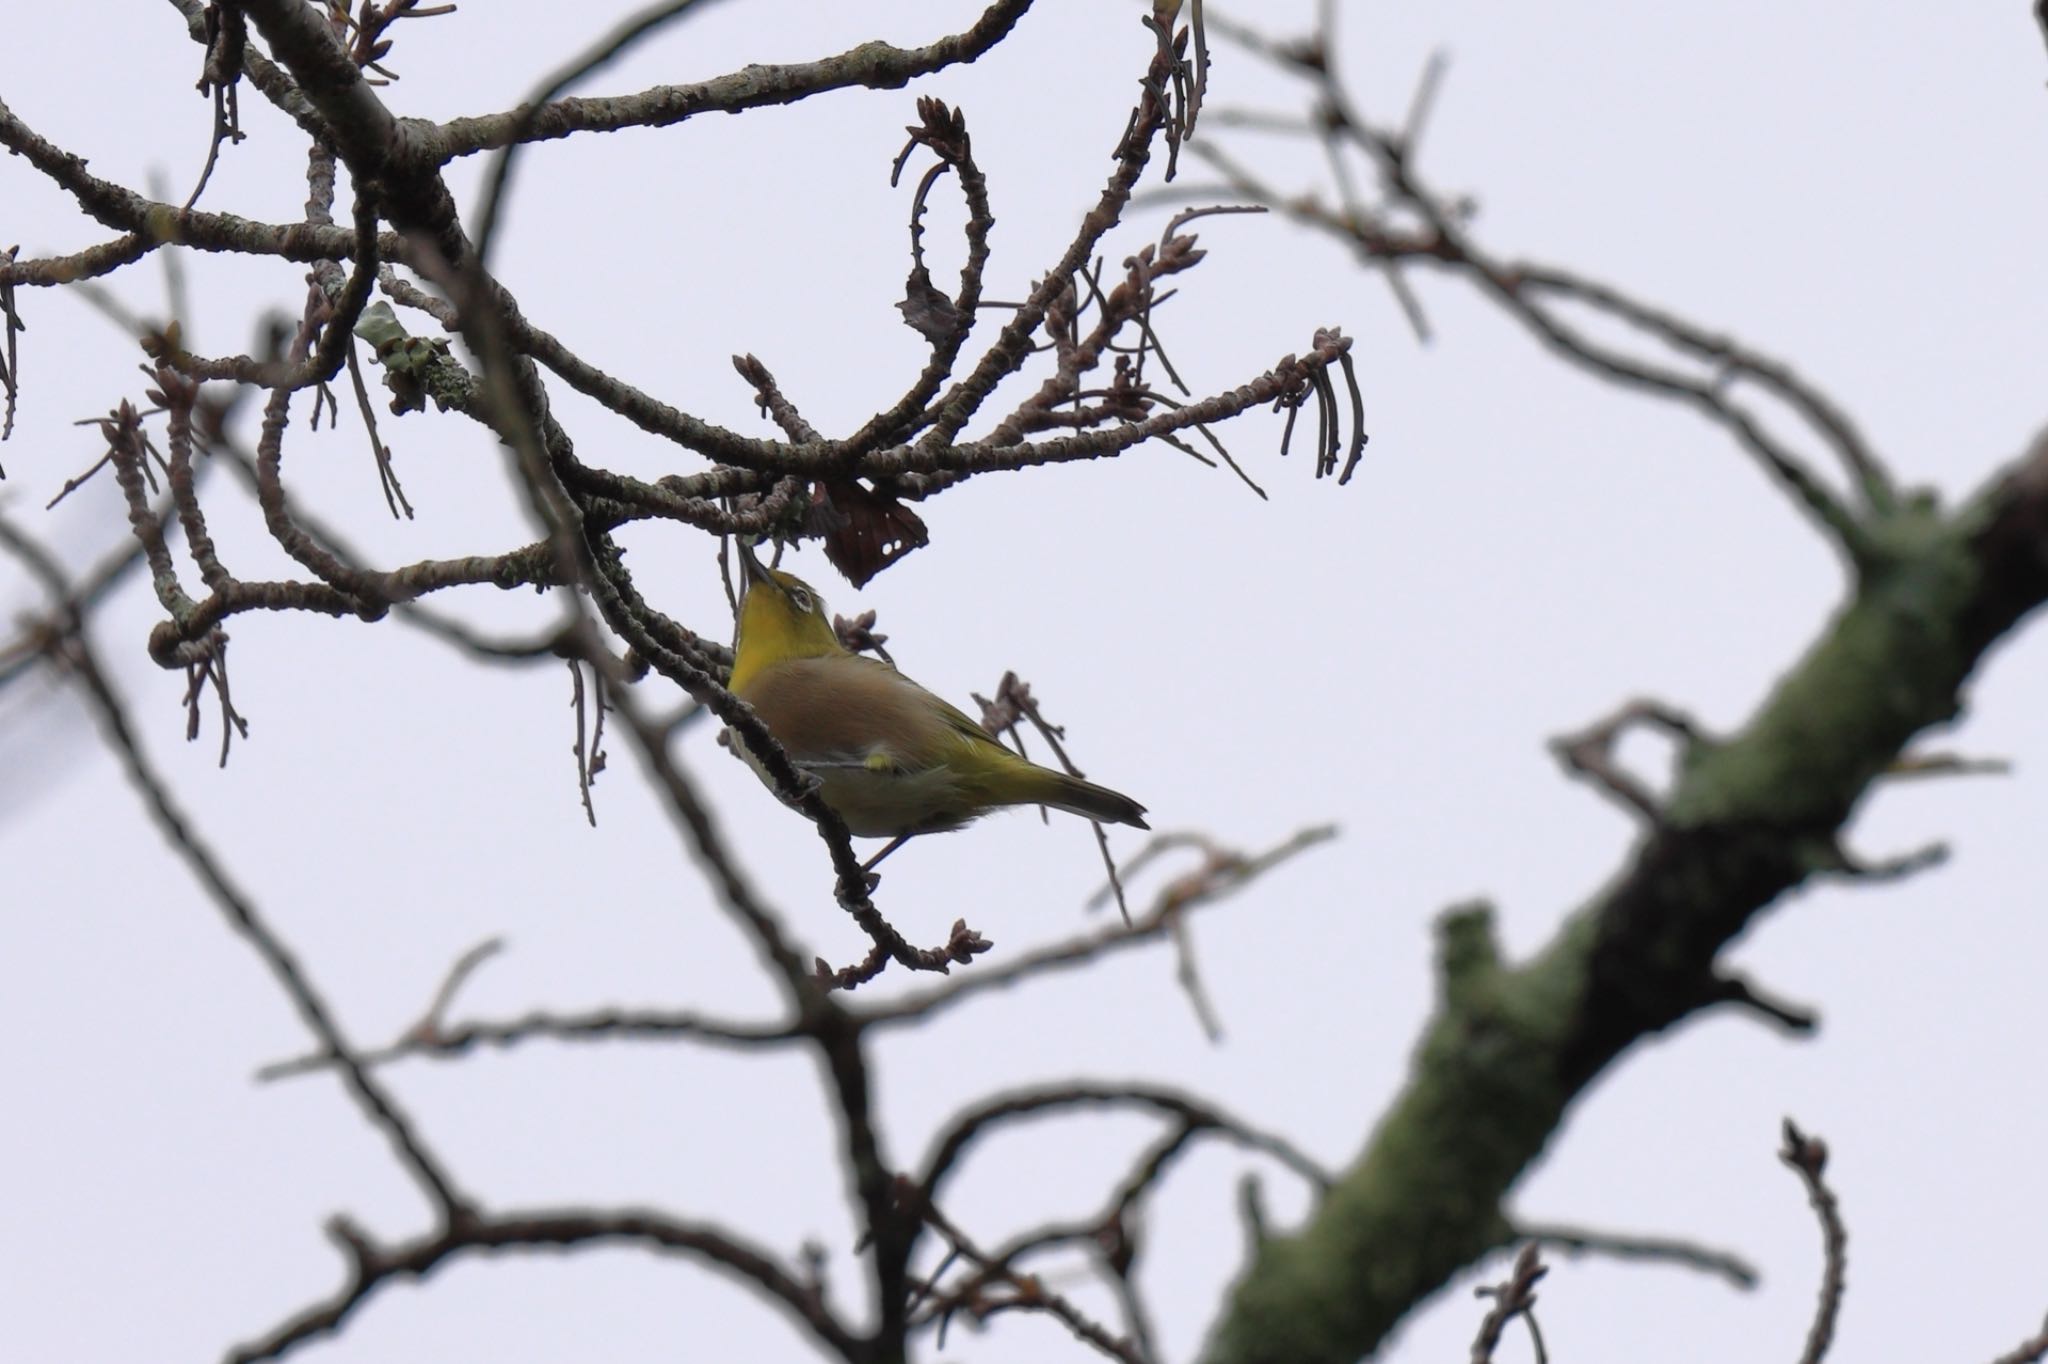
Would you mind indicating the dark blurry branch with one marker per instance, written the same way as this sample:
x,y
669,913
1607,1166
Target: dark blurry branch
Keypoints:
x,y
709,850
826,1022
1736,989
509,399
220,80
1511,1047
2035,1347
1912,765
1216,881
465,966
1014,705
624,36
1749,817
1114,1237
1515,1297
498,570
460,1039
1416,224
1590,754
1221,875
1665,1250
20,655
433,1035
516,407
10,354
969,1127
1730,361
204,22
373,1266
994,1288
518,411
589,745
322,66
1808,1157
1848,865
69,646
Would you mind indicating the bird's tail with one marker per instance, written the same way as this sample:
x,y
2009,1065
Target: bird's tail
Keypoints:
x,y
1043,786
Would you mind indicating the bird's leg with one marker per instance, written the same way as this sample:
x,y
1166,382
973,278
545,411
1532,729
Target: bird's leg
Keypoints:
x,y
868,867
891,846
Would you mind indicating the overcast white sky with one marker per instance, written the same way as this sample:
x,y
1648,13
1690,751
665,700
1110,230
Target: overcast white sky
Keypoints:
x,y
1522,550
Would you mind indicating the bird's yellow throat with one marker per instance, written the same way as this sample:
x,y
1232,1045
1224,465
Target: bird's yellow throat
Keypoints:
x,y
781,619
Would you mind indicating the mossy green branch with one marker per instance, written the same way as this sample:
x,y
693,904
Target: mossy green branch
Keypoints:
x,y
1510,1047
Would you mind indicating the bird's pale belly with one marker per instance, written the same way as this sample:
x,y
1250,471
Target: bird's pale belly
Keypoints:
x,y
879,800
883,804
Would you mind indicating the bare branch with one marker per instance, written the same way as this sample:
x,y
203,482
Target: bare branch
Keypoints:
x,y
1515,1297
1808,1158
876,65
1729,987
1525,291
1590,754
1026,1292
448,1041
1224,879
526,119
240,911
2034,1348
373,1266
970,1126
1576,1241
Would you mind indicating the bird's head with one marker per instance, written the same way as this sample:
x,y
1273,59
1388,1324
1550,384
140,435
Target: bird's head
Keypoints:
x,y
781,617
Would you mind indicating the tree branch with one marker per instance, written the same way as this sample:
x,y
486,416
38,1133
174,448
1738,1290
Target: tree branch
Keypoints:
x,y
1755,815
873,65
74,651
372,1267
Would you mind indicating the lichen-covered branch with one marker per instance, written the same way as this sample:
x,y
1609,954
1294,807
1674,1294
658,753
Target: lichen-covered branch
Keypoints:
x,y
1752,816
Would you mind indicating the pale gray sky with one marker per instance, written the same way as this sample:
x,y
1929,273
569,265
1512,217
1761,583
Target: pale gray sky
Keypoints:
x,y
1522,549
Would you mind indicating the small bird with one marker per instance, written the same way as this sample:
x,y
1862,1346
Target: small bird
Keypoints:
x,y
890,758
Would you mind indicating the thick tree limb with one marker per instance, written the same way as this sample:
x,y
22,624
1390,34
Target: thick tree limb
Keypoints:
x,y
1752,816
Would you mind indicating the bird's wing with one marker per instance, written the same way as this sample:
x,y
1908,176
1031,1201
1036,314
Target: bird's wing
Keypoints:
x,y
958,725
843,706
962,724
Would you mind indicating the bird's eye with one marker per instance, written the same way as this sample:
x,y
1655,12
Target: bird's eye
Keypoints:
x,y
800,599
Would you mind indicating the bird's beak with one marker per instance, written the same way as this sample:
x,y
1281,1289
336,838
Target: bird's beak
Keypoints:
x,y
751,568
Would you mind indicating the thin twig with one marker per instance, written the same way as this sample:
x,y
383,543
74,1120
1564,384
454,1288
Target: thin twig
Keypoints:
x,y
241,912
2034,1348
1808,1157
1029,1293
1575,1241
1515,1297
373,1266
968,1127
1590,753
1084,949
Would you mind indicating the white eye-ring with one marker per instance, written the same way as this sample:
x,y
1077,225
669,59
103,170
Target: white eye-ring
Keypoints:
x,y
800,599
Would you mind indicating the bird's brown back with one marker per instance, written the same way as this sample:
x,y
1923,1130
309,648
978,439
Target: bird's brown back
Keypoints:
x,y
843,705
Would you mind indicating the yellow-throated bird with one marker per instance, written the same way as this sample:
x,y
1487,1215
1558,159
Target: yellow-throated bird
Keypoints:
x,y
890,758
